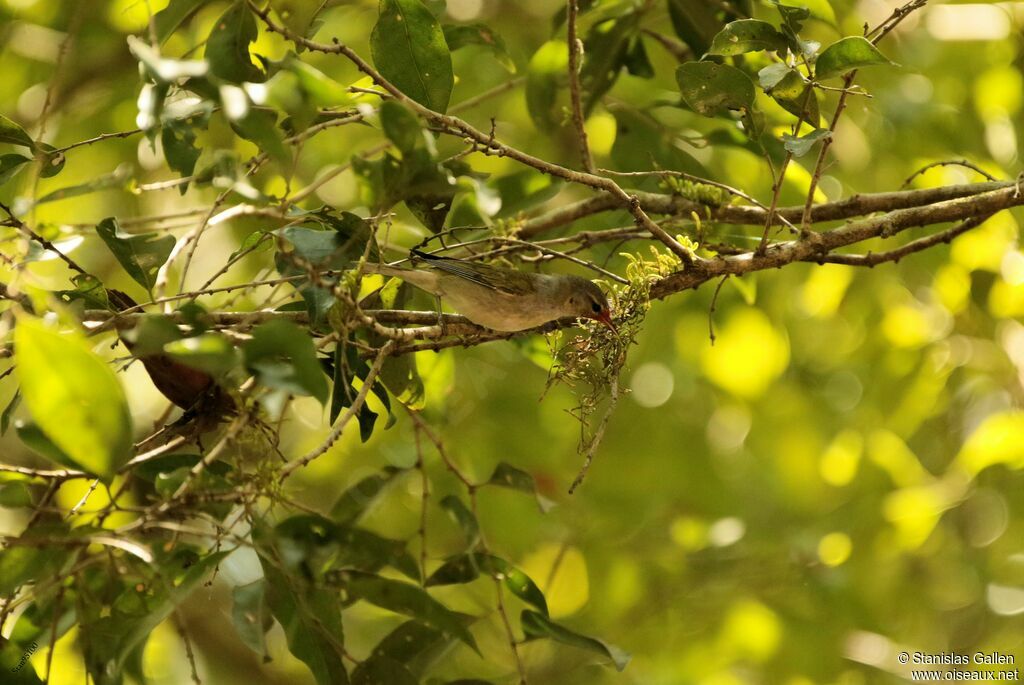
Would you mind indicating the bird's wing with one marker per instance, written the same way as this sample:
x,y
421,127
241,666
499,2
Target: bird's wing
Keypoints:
x,y
507,281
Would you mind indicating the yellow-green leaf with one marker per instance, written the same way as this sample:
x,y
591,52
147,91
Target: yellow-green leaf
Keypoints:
x,y
73,396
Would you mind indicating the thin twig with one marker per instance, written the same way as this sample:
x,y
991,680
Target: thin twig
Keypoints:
x,y
575,52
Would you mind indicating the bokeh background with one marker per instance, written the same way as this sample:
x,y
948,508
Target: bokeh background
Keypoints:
x,y
838,478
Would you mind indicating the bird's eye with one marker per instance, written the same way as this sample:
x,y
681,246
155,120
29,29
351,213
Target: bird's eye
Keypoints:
x,y
596,307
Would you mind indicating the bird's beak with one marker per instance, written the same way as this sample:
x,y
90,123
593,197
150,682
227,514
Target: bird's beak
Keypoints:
x,y
605,317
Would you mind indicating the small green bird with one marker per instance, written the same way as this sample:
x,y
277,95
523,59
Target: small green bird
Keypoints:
x,y
503,299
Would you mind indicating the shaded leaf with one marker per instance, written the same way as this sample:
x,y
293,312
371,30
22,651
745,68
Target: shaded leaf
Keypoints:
x,y
711,89
508,476
544,76
283,357
537,625
409,49
12,406
462,35
467,567
141,254
400,125
746,35
846,54
15,494
406,599
463,517
178,141
695,22
10,164
74,397
209,352
606,49
227,47
382,671
177,12
357,498
115,179
251,615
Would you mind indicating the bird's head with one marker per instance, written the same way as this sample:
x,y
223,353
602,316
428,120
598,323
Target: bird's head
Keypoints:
x,y
586,300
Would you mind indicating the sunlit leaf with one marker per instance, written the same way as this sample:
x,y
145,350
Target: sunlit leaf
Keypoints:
x,y
846,54
409,49
74,397
461,35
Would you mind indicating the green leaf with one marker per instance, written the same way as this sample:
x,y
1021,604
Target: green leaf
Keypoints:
x,y
463,517
115,179
544,76
383,671
312,624
467,567
12,406
10,164
801,145
227,48
357,498
846,54
150,469
642,143
74,396
32,435
408,47
14,134
209,352
459,36
406,642
51,162
15,495
508,476
251,615
283,357
178,140
29,558
523,190
400,125
711,89
637,61
177,12
141,254
537,625
747,35
606,49
695,22
406,599
260,127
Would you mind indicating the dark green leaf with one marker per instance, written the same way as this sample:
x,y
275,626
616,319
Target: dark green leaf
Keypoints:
x,y
508,476
523,190
605,51
177,12
400,125
747,35
461,35
11,133
711,89
10,164
357,498
544,76
846,54
141,254
408,47
166,463
641,143
695,22
28,558
227,48
51,162
34,438
637,61
74,396
382,671
466,520
115,179
260,126
406,642
15,495
12,406
283,357
467,567
406,599
537,625
312,624
801,145
251,616
178,139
